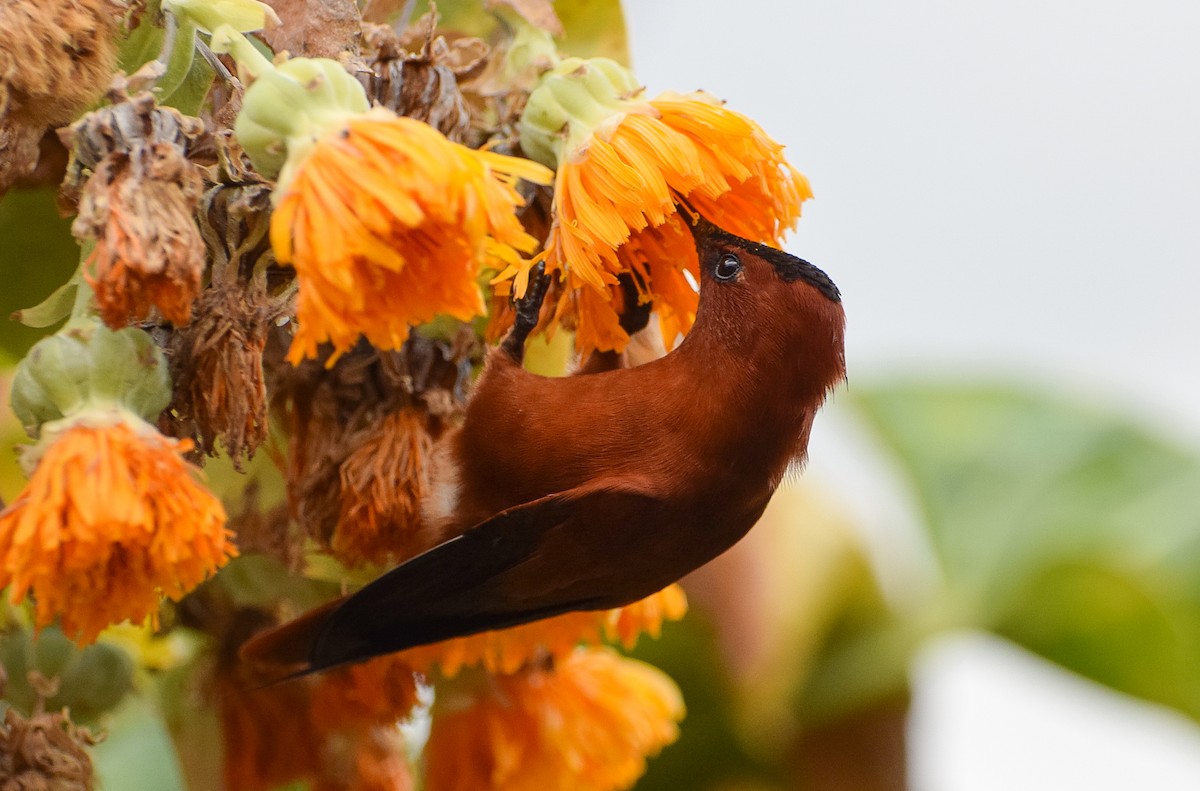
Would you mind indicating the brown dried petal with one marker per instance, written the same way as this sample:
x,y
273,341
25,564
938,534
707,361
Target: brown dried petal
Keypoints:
x,y
383,482
332,413
139,205
218,373
44,752
56,57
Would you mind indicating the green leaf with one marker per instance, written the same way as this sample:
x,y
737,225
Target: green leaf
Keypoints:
x,y
37,256
143,43
137,754
190,94
1120,629
708,752
1011,482
52,309
179,61
1071,530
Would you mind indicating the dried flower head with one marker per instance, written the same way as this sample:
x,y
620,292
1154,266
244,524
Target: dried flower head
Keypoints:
x,y
423,83
45,751
56,57
360,436
588,721
217,361
139,204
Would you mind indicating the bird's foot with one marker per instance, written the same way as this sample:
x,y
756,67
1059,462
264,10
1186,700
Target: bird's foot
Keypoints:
x,y
528,309
636,314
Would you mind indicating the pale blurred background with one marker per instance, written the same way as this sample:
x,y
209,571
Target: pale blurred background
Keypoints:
x,y
1006,191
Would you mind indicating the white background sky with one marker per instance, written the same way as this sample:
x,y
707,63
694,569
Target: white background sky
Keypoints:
x,y
1007,188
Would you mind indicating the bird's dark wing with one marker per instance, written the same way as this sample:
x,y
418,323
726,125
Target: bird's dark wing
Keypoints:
x,y
553,555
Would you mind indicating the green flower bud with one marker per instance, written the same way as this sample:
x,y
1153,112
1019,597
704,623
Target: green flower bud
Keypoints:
x,y
570,102
91,680
290,105
97,680
90,366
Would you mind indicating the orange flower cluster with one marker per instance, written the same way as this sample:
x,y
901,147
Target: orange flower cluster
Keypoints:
x,y
112,518
588,722
506,651
389,224
615,210
336,730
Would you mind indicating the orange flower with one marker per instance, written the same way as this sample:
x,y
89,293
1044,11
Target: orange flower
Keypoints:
x,y
508,650
381,691
615,208
336,730
111,519
388,224
587,723
373,761
269,735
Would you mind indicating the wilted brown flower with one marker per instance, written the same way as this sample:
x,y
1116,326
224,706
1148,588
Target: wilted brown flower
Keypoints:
x,y
360,435
55,58
423,84
138,204
45,751
383,482
217,361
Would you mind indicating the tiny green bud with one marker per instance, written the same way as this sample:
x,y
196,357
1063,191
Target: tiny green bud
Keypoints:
x,y
570,101
88,365
289,105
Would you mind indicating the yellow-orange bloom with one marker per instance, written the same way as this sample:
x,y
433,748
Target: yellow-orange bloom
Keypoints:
x,y
389,224
506,651
358,697
615,209
112,519
588,723
335,731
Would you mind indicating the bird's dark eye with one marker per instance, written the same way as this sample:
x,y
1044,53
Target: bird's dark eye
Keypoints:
x,y
728,267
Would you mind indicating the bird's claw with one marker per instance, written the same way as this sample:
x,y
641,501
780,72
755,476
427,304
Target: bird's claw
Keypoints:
x,y
528,309
636,314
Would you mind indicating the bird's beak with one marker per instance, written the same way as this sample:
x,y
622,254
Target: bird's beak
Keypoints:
x,y
701,228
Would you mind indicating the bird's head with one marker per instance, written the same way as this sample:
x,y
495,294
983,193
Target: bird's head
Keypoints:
x,y
761,301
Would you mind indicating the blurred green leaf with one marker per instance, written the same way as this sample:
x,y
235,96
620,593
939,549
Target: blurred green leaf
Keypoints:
x,y
37,256
593,28
143,43
189,95
179,61
1073,531
53,308
708,753
137,753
